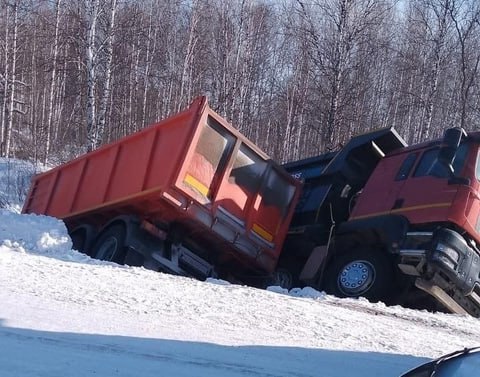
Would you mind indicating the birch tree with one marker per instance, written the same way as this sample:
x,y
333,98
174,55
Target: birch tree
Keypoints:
x,y
100,127
5,78
438,34
92,8
12,83
53,77
336,32
466,18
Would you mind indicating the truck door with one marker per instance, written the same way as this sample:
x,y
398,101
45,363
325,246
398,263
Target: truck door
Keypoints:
x,y
468,199
383,191
426,195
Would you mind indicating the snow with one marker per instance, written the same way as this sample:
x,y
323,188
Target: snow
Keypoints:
x,y
65,314
15,178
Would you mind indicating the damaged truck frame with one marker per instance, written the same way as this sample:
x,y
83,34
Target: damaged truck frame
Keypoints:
x,y
192,196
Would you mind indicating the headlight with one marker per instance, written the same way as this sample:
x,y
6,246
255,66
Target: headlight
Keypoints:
x,y
447,250
446,261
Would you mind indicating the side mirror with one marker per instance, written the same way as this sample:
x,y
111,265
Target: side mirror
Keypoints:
x,y
424,370
465,363
451,140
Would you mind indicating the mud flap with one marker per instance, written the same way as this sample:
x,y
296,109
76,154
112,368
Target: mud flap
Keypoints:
x,y
311,269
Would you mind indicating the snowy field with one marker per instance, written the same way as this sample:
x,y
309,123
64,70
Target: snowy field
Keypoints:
x,y
64,314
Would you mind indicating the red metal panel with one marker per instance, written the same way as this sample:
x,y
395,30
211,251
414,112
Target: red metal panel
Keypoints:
x,y
381,190
272,207
65,189
96,178
172,141
234,199
129,169
195,175
142,162
40,194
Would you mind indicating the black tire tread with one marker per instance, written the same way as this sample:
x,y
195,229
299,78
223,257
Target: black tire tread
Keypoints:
x,y
117,231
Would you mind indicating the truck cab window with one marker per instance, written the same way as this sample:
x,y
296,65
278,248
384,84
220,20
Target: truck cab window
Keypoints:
x,y
429,165
477,167
406,167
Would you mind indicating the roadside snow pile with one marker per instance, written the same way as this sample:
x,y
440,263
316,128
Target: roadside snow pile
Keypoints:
x,y
34,234
15,176
41,235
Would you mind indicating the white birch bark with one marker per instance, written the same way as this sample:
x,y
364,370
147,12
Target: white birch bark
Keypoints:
x,y
189,54
92,8
3,127
108,75
53,77
9,125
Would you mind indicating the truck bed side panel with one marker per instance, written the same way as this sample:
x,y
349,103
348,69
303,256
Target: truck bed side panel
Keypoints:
x,y
147,160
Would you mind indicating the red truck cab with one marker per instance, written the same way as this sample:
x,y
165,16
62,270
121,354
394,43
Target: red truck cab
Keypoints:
x,y
438,203
391,222
412,183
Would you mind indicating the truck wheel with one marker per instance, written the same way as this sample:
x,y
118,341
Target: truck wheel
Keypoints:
x,y
83,237
78,241
110,245
360,273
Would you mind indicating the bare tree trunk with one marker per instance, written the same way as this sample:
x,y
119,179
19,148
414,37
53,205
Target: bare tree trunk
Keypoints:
x,y
92,8
6,78
151,48
189,54
441,12
11,105
60,102
108,75
468,71
53,77
133,120
34,99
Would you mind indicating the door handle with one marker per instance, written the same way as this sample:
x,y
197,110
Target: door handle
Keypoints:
x,y
398,203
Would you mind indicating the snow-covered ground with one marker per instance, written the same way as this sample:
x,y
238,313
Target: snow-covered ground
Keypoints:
x,y
64,314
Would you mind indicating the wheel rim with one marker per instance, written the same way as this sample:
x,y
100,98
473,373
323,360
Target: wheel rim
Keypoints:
x,y
356,278
107,249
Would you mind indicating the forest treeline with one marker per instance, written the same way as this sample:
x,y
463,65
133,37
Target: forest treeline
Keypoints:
x,y
297,77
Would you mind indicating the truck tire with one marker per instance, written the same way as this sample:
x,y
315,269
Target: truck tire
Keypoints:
x,y
82,238
110,245
362,272
78,240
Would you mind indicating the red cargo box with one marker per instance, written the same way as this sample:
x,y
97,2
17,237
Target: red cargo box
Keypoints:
x,y
192,169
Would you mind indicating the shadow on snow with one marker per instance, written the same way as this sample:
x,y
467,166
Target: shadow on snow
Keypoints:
x,y
27,352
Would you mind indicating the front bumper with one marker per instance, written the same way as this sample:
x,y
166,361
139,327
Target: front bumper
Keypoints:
x,y
451,256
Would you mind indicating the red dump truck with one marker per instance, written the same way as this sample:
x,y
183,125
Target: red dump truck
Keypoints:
x,y
192,196
189,195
